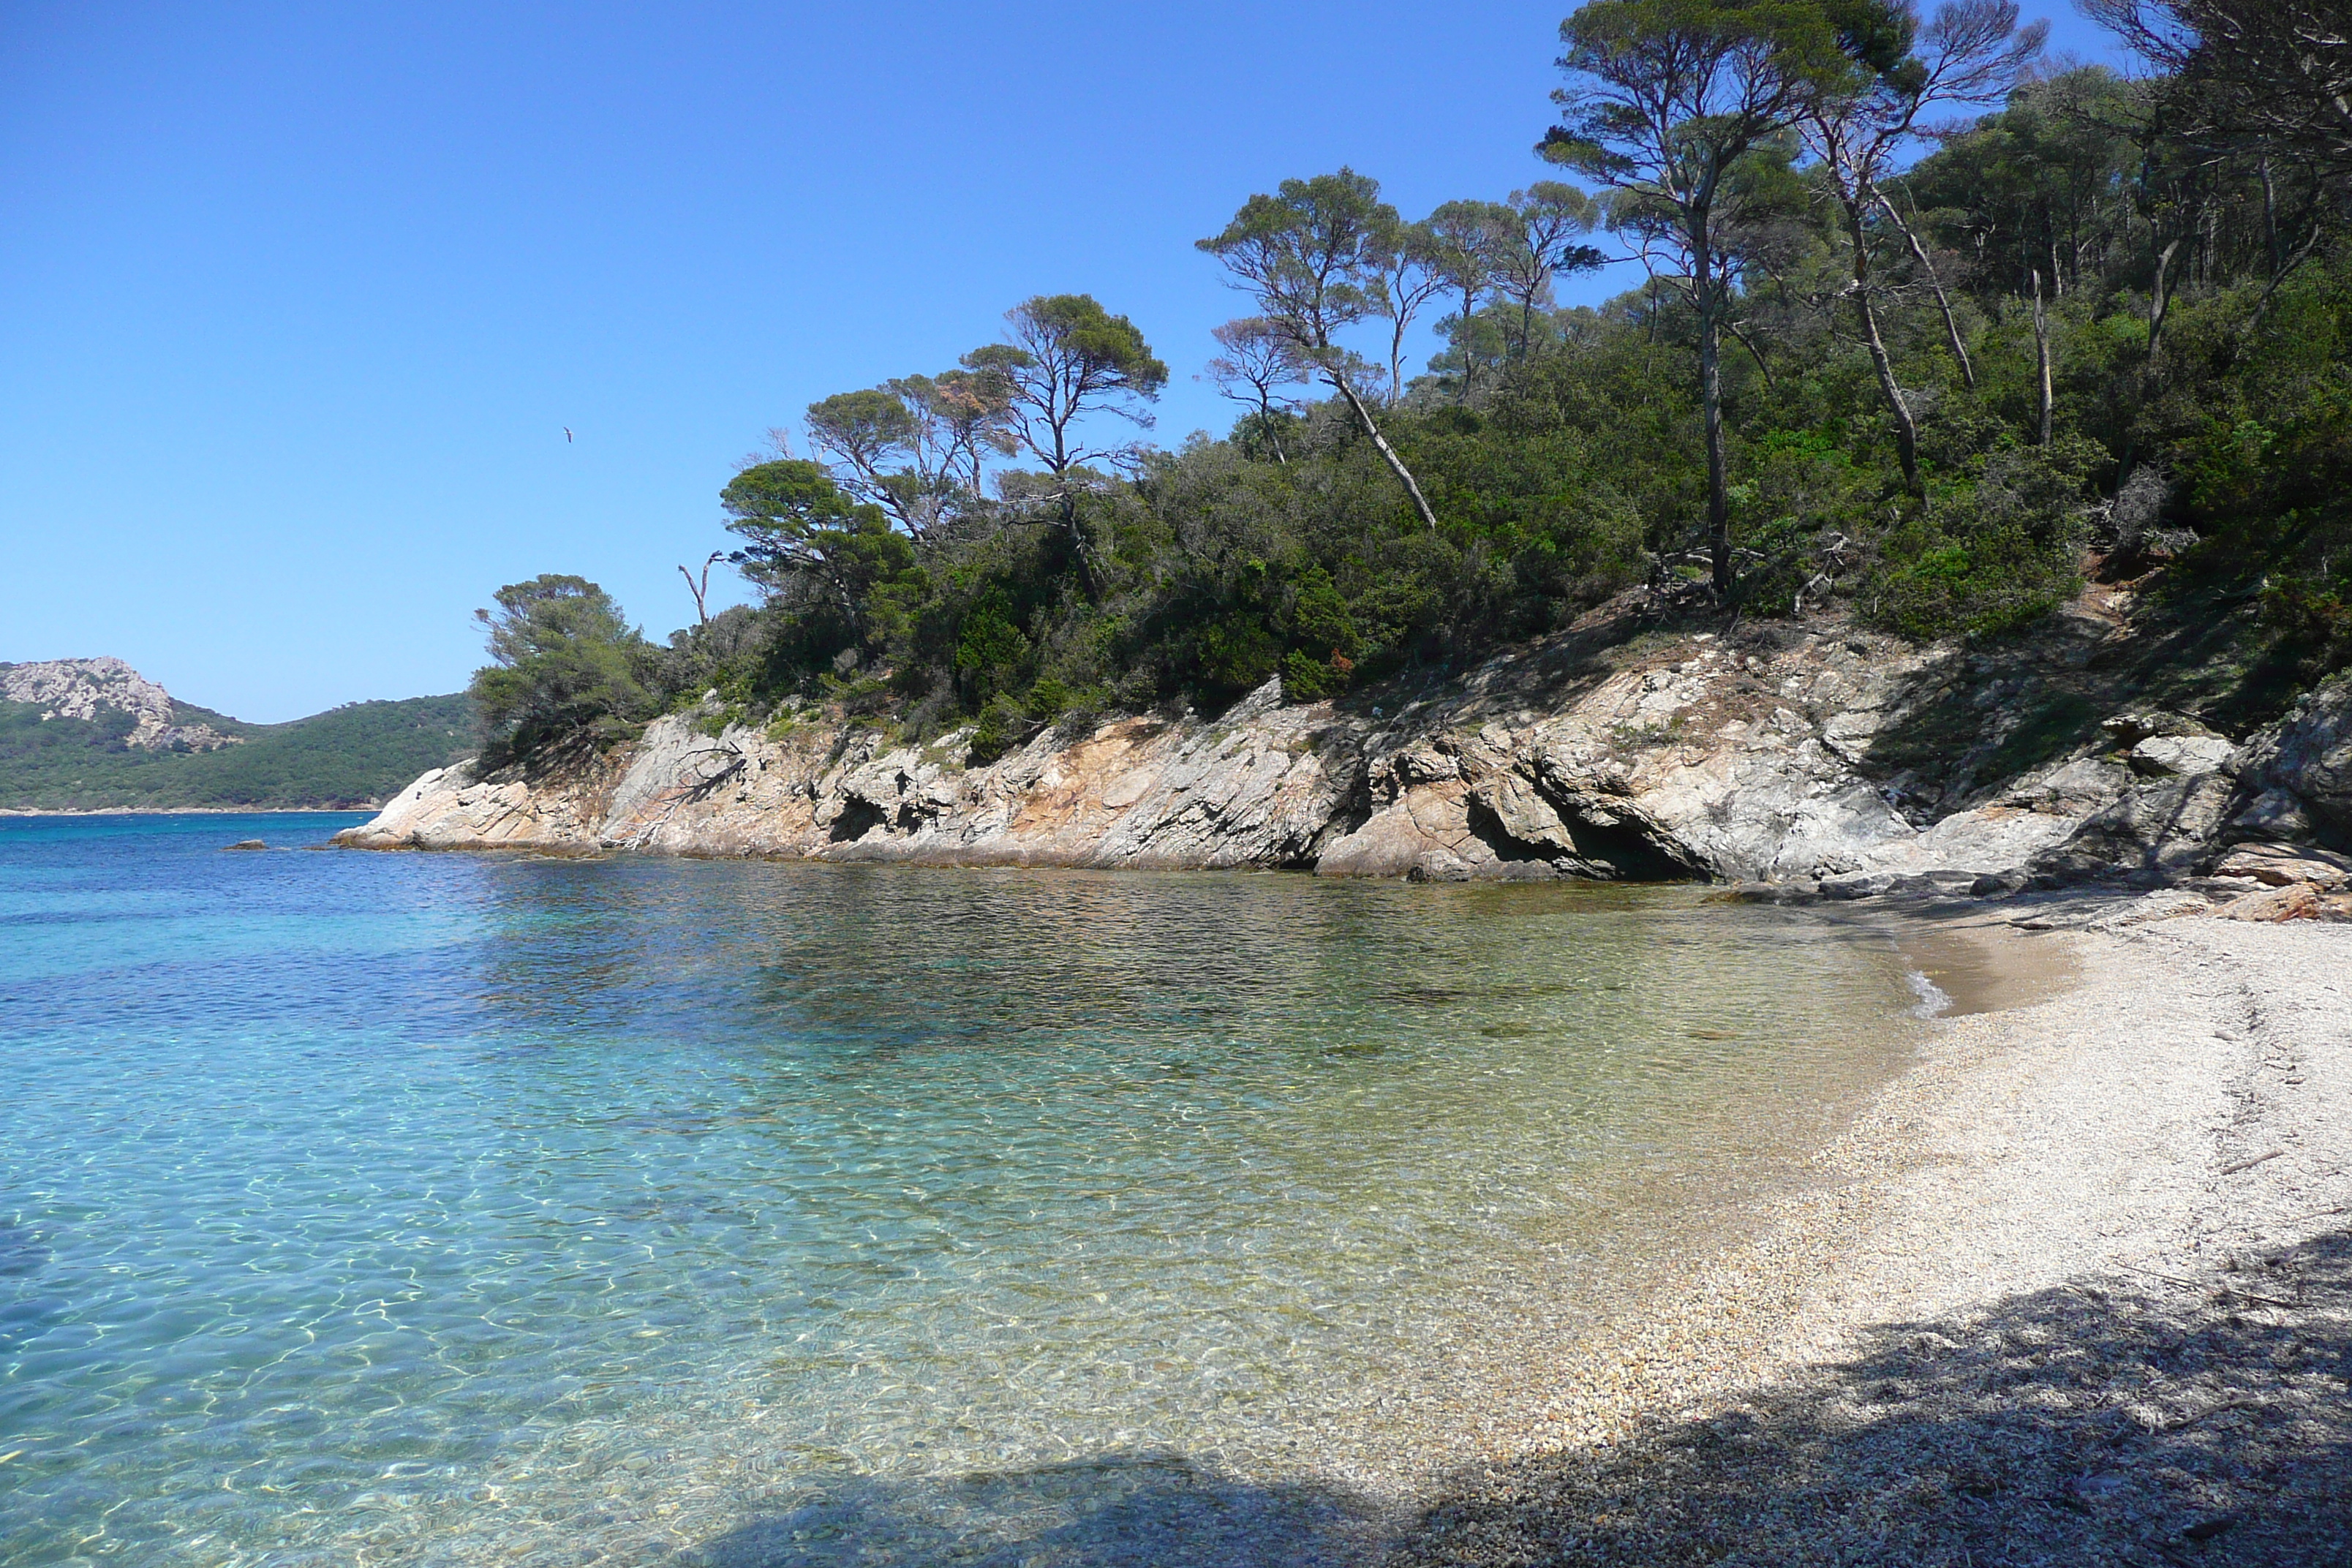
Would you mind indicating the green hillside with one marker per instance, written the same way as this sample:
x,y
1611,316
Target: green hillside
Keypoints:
x,y
350,756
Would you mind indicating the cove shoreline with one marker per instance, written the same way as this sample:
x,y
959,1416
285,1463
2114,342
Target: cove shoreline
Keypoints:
x,y
2173,1111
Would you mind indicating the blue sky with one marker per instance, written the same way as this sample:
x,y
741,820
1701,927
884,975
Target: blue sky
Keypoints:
x,y
296,301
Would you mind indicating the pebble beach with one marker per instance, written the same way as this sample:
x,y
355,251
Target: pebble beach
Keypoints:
x,y
2073,1287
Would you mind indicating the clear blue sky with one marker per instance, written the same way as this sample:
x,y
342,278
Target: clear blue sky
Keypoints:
x,y
295,302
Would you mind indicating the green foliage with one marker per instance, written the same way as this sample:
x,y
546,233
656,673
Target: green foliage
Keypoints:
x,y
1069,357
1993,551
802,534
1004,723
566,668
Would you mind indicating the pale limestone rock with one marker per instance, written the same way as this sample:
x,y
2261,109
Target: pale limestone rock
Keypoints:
x,y
2160,756
1654,758
85,688
2284,865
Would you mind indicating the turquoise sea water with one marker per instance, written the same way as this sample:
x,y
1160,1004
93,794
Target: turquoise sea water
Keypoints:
x,y
449,1209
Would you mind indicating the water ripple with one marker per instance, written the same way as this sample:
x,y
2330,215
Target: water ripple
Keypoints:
x,y
437,1209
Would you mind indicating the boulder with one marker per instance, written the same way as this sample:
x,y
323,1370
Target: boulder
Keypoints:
x,y
2304,763
2161,755
2156,834
2298,903
245,844
2285,866
2275,814
2128,729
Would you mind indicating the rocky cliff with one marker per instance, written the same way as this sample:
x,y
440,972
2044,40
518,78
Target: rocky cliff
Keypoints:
x,y
88,689
1822,760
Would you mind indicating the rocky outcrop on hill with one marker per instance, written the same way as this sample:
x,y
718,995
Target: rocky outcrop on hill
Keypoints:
x,y
1818,761
88,689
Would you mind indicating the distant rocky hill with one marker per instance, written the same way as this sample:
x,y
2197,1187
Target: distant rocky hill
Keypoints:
x,y
87,689
93,734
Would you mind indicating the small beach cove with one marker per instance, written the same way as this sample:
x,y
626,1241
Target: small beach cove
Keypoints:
x,y
467,1208
434,1209
2077,1287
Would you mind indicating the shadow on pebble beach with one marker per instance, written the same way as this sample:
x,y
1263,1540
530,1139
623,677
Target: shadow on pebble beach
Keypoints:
x,y
1124,1511
2180,1424
2208,1424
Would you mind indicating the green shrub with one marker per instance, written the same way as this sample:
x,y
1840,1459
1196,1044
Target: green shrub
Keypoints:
x,y
1306,678
1990,554
567,668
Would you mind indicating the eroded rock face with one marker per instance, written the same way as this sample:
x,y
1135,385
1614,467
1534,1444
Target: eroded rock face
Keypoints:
x,y
2155,833
2180,756
86,688
1760,757
2284,865
2299,772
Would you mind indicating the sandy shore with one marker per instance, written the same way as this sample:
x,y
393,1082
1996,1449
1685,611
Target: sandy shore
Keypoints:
x,y
2075,1287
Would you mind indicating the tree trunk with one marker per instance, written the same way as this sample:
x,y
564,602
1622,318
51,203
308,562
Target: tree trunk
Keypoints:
x,y
2042,355
1710,400
1906,431
1737,330
1059,464
2269,289
2270,215
1381,444
1469,299
1943,301
1266,423
2159,301
701,610
1070,520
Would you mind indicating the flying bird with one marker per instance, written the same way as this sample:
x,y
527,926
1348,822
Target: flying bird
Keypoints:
x,y
567,434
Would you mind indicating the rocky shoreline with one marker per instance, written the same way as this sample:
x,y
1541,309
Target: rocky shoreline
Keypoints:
x,y
188,811
1805,762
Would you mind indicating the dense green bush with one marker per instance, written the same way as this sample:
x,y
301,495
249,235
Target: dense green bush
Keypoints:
x,y
567,668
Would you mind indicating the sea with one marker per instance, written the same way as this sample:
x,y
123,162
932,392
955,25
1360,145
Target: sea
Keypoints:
x,y
364,1208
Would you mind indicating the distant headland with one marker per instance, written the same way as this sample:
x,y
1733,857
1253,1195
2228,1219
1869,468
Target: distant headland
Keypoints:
x,y
93,734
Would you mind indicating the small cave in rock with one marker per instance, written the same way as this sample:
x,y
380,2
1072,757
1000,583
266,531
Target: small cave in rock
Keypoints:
x,y
1603,852
857,818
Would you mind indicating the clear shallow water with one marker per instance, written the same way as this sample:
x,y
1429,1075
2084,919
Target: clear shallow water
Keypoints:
x,y
441,1209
